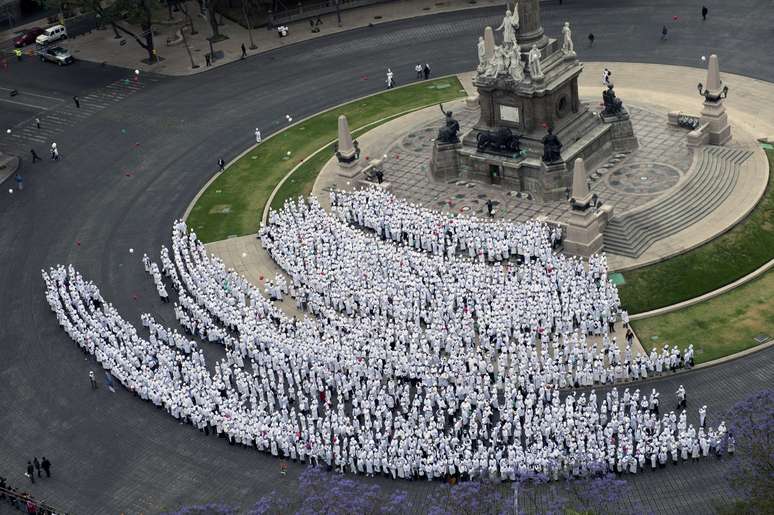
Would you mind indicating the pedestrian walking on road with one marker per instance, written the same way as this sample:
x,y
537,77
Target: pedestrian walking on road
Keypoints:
x,y
418,69
591,39
35,156
664,32
46,466
77,102
390,79
244,51
208,59
36,464
19,182
92,380
54,152
704,12
490,208
257,135
37,123
30,472
426,71
221,164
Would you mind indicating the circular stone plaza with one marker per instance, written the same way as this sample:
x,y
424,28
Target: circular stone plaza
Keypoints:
x,y
389,257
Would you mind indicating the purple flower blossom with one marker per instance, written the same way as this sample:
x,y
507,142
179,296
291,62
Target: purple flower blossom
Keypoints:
x,y
752,472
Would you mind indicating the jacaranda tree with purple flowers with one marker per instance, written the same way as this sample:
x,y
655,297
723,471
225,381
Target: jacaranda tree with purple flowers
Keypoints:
x,y
322,492
752,469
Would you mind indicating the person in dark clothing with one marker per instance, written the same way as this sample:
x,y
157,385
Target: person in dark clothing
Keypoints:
x,y
244,51
46,466
664,32
490,208
591,39
77,102
30,472
426,71
704,12
35,156
36,464
221,164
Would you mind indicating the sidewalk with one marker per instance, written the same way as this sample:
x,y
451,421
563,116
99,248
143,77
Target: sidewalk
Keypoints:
x,y
101,46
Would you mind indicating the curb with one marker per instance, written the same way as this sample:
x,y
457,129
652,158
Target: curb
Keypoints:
x,y
302,24
299,122
707,296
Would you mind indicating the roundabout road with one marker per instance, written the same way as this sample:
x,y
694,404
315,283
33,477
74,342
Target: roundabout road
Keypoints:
x,y
130,169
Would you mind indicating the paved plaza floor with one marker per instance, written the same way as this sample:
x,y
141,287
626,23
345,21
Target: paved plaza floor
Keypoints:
x,y
636,181
625,180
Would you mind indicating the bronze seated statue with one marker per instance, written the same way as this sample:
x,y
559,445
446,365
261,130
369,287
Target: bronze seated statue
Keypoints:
x,y
613,104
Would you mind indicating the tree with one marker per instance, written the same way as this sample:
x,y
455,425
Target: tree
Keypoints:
x,y
752,469
118,14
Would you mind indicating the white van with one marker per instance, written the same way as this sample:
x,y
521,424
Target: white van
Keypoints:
x,y
51,34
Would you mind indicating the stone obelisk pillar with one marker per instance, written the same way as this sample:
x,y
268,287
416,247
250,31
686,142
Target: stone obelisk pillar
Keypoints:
x,y
347,153
584,228
530,27
714,112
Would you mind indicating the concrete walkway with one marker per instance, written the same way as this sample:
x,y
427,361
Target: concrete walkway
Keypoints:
x,y
102,46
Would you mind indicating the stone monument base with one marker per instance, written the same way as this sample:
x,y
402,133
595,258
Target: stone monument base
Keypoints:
x,y
585,232
716,120
445,163
622,135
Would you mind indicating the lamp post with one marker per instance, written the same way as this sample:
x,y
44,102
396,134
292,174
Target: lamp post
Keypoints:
x,y
709,96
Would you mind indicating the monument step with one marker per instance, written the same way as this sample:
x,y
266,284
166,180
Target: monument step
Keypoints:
x,y
713,181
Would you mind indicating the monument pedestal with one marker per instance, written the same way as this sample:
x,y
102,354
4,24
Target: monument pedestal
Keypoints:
x,y
584,232
555,181
714,116
621,131
445,162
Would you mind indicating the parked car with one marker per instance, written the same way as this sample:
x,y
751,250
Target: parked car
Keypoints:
x,y
56,54
28,37
51,34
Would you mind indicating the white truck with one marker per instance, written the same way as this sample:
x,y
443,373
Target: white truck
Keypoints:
x,y
51,34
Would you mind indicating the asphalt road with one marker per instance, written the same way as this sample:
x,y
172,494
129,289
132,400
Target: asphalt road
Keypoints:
x,y
133,160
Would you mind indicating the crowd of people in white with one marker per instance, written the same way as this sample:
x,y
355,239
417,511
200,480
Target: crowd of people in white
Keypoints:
x,y
415,364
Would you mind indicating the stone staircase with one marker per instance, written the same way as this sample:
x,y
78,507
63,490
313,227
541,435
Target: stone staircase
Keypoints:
x,y
713,181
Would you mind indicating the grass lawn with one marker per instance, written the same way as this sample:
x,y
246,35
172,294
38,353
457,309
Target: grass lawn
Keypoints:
x,y
718,327
722,261
302,180
233,203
